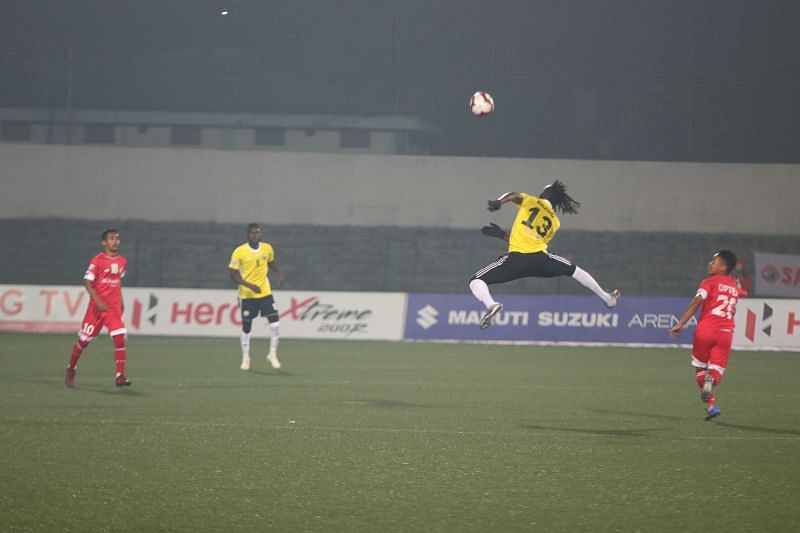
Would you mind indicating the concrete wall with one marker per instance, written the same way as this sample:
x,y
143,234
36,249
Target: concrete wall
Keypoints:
x,y
111,183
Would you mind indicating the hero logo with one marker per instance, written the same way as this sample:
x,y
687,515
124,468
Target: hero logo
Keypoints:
x,y
426,317
330,318
573,319
469,318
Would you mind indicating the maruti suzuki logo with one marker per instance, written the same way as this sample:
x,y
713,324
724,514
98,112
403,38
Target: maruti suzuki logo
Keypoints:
x,y
426,317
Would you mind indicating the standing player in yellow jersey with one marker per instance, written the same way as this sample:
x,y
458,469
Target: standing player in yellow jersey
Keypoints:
x,y
527,256
249,266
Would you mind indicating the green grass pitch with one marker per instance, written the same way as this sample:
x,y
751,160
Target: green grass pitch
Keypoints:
x,y
371,436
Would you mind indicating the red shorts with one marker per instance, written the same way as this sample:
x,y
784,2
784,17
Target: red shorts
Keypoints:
x,y
94,321
711,348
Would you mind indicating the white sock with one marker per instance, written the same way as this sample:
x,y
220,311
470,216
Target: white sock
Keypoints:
x,y
274,337
586,279
481,291
245,345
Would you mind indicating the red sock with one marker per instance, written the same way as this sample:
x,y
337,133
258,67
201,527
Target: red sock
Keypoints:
x,y
77,350
716,377
119,353
700,376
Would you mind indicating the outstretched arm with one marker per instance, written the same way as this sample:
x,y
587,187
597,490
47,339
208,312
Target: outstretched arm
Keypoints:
x,y
493,230
504,198
689,313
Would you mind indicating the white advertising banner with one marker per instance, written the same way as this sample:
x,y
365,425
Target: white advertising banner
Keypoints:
x,y
209,312
770,324
777,275
767,324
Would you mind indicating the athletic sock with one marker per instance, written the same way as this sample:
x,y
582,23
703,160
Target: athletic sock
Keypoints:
x,y
480,290
701,377
245,340
586,279
77,350
119,353
274,336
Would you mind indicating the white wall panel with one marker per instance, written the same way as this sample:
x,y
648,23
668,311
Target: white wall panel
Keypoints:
x,y
341,189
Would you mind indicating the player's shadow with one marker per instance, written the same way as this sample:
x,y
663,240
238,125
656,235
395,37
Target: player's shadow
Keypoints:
x,y
121,391
41,381
390,404
771,431
84,387
640,433
633,414
272,373
237,386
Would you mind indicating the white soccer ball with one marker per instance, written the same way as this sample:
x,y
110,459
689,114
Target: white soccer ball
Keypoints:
x,y
481,104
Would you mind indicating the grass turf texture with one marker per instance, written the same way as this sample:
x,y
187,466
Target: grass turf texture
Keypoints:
x,y
368,436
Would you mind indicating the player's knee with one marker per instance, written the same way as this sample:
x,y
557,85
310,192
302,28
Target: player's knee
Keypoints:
x,y
119,340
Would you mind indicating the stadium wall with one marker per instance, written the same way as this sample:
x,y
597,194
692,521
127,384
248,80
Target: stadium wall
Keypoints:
x,y
102,183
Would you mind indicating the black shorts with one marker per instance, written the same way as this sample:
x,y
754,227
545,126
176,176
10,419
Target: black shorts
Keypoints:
x,y
516,265
252,307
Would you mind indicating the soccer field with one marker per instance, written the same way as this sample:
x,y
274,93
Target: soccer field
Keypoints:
x,y
373,436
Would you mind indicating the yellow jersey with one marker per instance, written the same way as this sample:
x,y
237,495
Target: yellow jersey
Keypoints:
x,y
534,227
253,266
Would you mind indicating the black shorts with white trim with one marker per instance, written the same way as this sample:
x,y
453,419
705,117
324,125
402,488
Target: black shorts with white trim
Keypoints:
x,y
252,307
516,265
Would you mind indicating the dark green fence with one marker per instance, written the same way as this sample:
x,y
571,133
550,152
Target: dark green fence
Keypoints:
x,y
182,254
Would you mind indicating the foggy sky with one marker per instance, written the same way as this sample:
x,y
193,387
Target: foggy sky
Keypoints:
x,y
599,79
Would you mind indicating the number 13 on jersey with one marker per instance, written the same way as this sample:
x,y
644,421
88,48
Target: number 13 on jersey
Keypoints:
x,y
541,229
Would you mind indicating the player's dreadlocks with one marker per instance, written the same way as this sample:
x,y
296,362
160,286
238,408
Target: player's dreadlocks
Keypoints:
x,y
556,193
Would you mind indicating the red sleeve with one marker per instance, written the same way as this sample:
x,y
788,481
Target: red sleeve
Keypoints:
x,y
91,270
705,288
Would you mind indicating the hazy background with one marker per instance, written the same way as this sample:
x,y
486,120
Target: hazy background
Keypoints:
x,y
683,80
674,123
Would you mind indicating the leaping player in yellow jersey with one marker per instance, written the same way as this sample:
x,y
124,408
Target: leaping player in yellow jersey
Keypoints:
x,y
249,266
527,256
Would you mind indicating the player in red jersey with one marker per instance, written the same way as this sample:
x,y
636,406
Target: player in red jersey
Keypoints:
x,y
718,296
103,280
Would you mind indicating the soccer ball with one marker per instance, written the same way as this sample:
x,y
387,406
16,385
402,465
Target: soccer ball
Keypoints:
x,y
481,104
